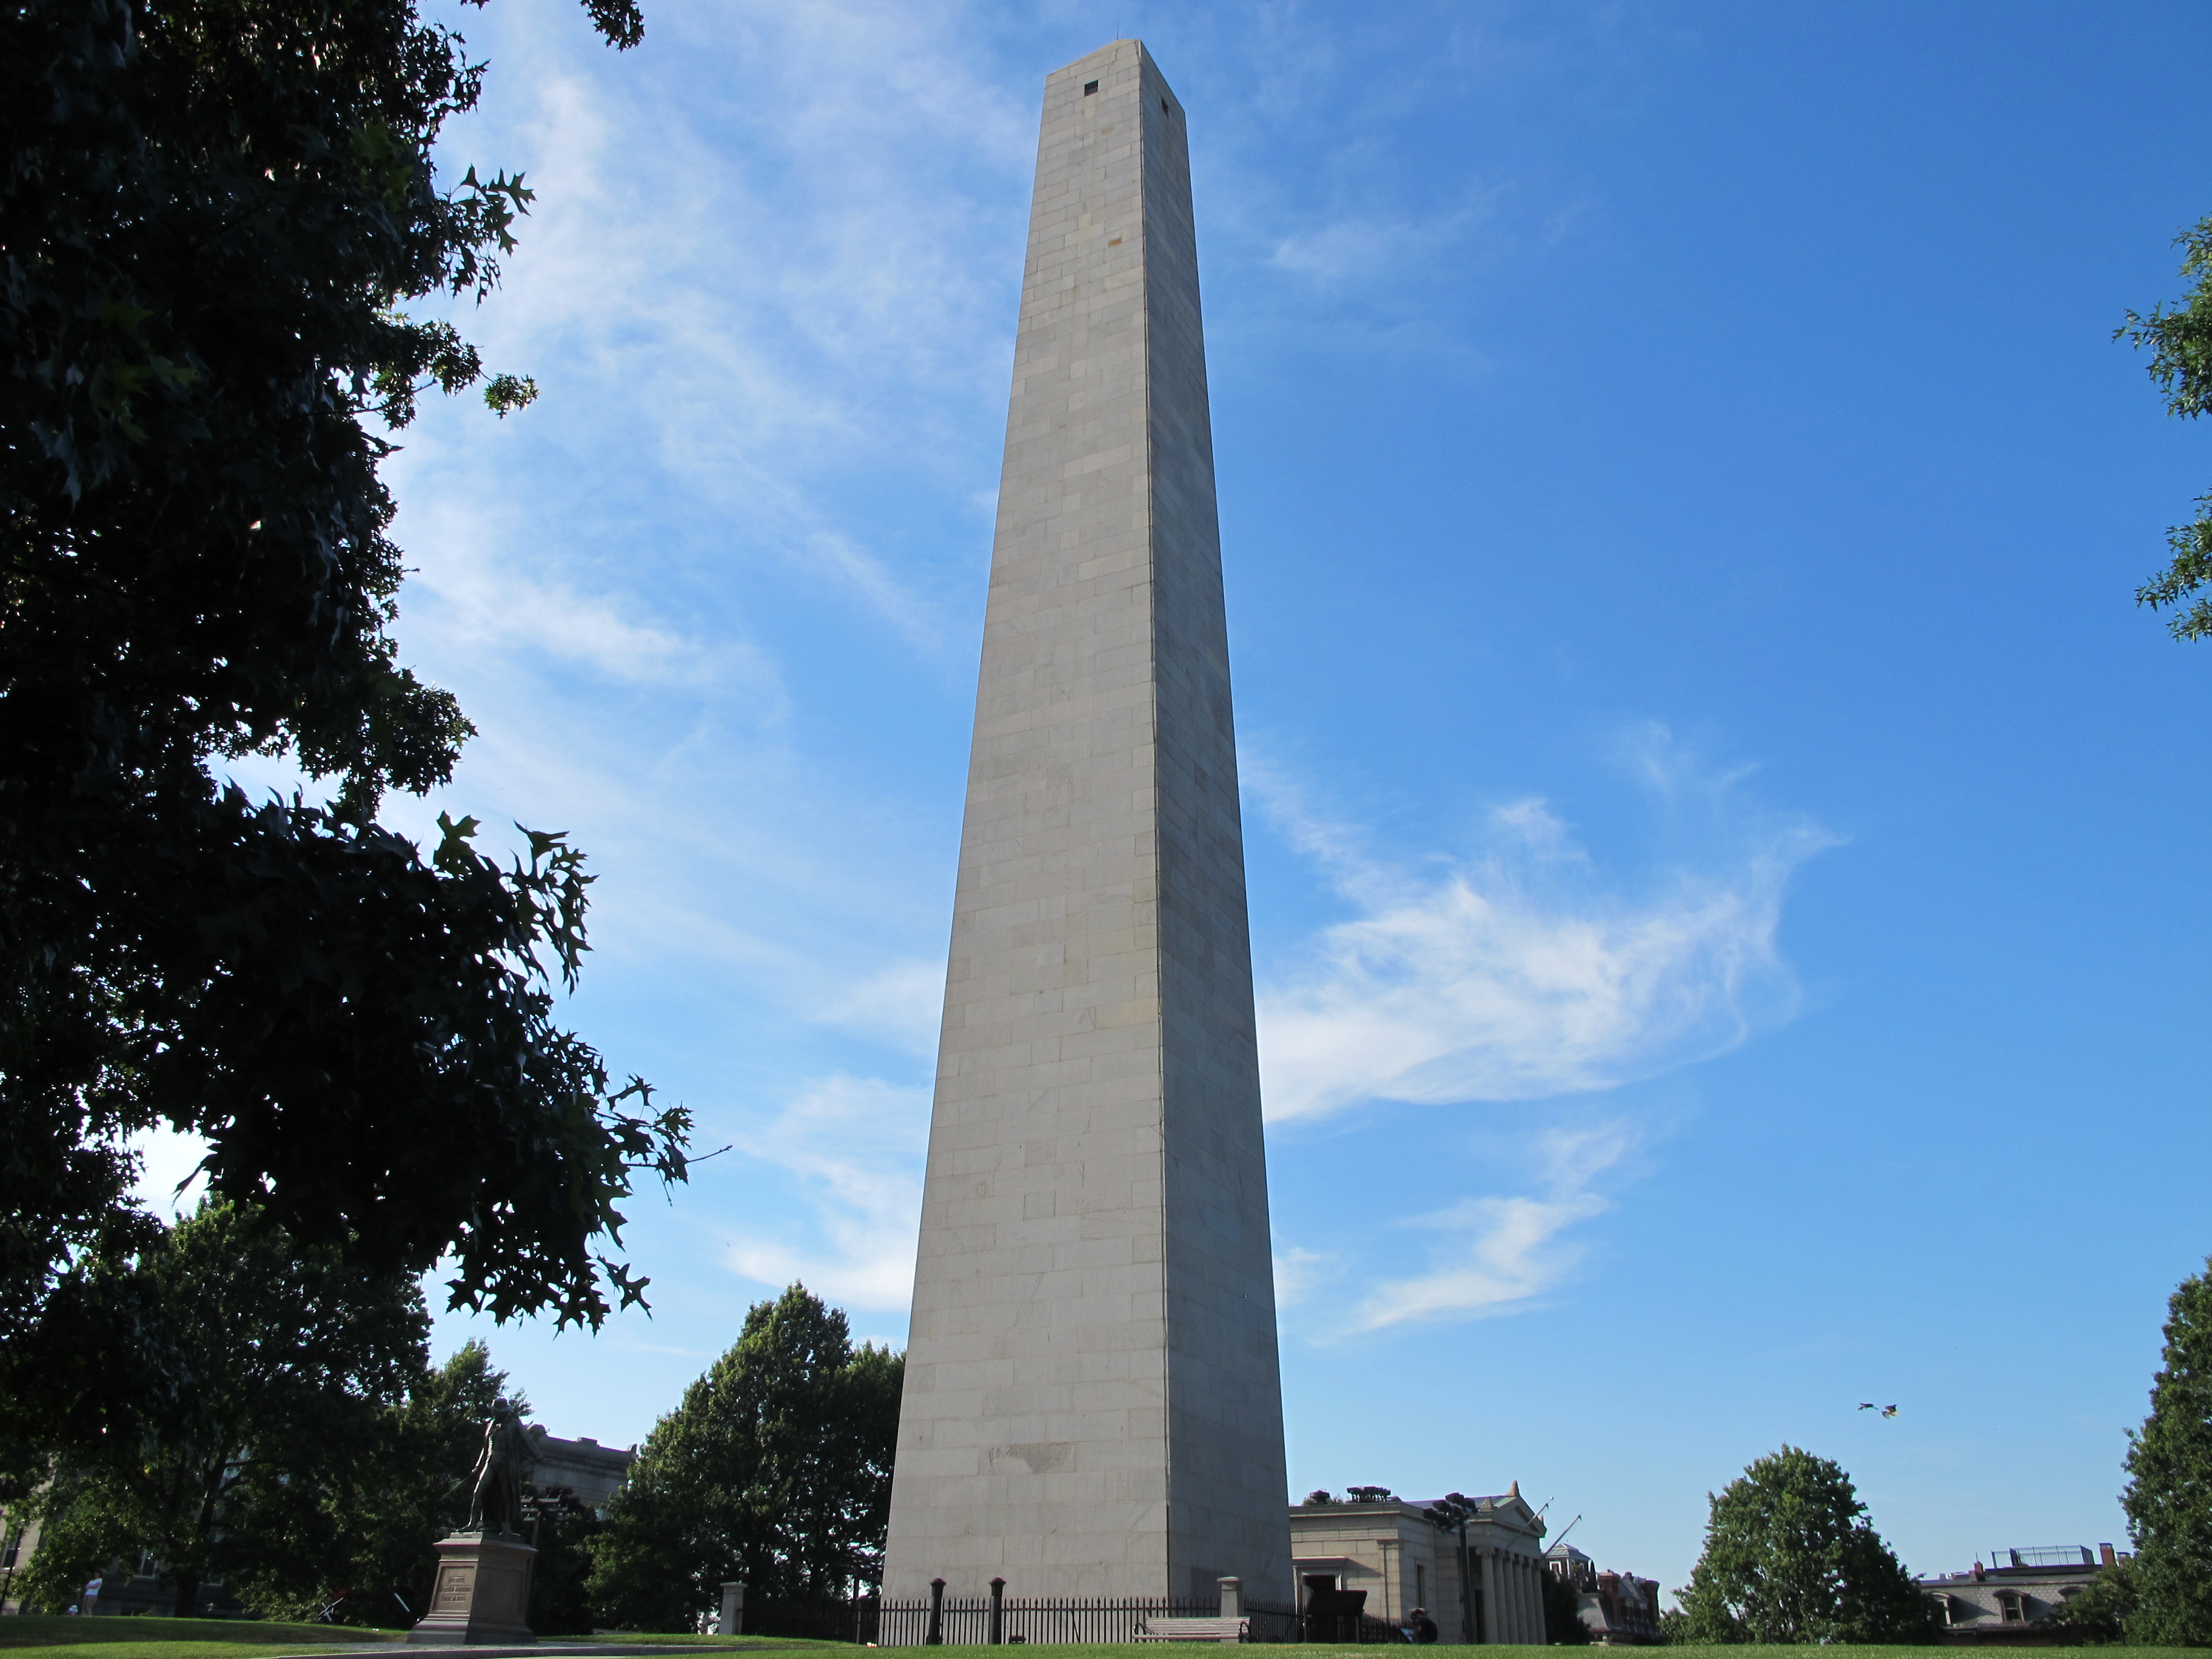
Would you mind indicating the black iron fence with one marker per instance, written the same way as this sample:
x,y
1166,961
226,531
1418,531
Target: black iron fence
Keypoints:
x,y
1342,1627
978,1621
1273,1624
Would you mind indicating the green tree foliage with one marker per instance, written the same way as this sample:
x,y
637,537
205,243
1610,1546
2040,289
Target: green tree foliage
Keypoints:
x,y
1790,1557
1563,1618
2100,1615
776,1470
255,1471
312,1456
559,1587
213,217
2180,343
2168,1498
415,1491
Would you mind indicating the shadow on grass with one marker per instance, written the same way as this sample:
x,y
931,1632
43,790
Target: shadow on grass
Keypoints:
x,y
36,1629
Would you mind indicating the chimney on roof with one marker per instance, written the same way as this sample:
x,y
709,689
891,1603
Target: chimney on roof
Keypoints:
x,y
2105,1555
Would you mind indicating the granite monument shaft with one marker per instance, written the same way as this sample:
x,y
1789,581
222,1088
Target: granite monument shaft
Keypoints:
x,y
1093,1404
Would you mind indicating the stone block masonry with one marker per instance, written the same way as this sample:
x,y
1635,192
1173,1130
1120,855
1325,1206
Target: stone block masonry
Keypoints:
x,y
1093,1406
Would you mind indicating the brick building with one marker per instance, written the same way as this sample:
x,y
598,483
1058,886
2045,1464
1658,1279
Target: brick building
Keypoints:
x,y
1619,1610
2019,1588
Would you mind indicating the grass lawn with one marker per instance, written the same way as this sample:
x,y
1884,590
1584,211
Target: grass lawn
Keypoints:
x,y
1344,1650
40,1635
49,1638
631,1638
199,1637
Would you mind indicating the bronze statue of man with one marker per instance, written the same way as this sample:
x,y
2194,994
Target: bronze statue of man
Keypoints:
x,y
495,1502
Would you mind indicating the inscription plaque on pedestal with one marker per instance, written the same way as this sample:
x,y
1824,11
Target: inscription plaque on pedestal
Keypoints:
x,y
482,1593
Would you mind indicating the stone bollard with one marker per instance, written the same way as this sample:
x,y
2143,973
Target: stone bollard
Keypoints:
x,y
1232,1598
733,1621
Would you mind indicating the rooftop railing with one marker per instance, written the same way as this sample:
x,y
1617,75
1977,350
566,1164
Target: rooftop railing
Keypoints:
x,y
2047,1555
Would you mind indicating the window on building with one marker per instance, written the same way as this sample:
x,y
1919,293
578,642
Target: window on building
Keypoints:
x,y
2008,1608
1943,1609
1089,86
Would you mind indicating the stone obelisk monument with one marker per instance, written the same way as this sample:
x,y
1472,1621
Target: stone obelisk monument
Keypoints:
x,y
1093,1406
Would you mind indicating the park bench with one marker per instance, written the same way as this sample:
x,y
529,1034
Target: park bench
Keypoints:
x,y
1194,1630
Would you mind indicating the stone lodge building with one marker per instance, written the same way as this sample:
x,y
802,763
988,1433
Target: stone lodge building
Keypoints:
x,y
1388,1547
582,1465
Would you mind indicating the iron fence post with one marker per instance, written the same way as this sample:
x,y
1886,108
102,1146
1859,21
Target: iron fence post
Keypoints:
x,y
936,1637
998,1612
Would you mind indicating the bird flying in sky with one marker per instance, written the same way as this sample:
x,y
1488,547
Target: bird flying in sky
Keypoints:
x,y
1889,1411
1866,1404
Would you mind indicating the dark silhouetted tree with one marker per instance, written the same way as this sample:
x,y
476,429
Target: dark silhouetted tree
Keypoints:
x,y
311,1455
417,1490
776,1470
213,217
1563,1615
255,1470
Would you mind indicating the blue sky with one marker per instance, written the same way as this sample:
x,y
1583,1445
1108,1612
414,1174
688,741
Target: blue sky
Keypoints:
x,y
1723,843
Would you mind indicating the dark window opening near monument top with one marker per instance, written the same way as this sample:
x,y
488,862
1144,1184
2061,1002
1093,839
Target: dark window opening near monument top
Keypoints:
x,y
1089,86
1164,106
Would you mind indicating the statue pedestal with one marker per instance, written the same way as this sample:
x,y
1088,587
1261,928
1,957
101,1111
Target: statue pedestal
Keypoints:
x,y
482,1593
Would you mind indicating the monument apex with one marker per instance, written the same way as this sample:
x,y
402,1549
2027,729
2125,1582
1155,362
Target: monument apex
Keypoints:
x,y
1093,1404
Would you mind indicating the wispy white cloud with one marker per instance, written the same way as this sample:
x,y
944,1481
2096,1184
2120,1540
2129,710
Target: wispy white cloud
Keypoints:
x,y
852,1147
1299,1272
1362,248
476,593
1503,1252
770,278
904,1004
1522,973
